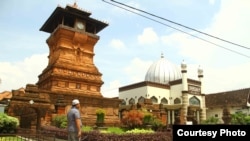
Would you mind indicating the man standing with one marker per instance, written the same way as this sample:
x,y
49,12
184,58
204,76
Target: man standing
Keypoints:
x,y
74,122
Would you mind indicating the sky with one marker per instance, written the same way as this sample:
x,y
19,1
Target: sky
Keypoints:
x,y
133,41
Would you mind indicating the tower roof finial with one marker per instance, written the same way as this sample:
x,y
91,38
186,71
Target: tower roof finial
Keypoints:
x,y
75,4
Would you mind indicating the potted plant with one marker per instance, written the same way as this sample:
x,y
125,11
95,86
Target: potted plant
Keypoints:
x,y
147,120
100,116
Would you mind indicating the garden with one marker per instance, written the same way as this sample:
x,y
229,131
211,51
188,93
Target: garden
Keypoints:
x,y
136,125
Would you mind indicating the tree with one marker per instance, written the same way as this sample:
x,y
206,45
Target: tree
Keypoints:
x,y
8,124
240,118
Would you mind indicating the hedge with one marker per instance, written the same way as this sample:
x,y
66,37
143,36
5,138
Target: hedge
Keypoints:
x,y
98,136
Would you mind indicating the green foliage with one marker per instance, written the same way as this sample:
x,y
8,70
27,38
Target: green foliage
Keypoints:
x,y
156,123
87,128
115,130
139,131
136,135
100,113
133,119
211,120
148,118
240,118
11,139
60,121
8,124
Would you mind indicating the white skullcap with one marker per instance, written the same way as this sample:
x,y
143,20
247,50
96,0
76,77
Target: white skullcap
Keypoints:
x,y
75,101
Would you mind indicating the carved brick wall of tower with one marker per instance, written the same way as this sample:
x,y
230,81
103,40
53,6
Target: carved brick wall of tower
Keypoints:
x,y
71,68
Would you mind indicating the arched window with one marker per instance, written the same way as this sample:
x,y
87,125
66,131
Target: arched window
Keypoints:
x,y
194,101
154,100
123,102
132,101
141,99
164,101
177,101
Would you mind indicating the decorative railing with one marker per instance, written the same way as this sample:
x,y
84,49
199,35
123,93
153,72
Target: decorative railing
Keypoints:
x,y
27,135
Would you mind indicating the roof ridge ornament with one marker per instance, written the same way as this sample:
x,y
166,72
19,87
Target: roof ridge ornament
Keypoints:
x,y
75,5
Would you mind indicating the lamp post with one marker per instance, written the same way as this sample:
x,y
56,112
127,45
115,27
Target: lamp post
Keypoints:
x,y
31,102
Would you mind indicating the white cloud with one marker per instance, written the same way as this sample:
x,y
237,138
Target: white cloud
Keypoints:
x,y
226,79
137,69
134,72
148,36
117,44
189,46
224,70
18,74
231,22
111,90
211,2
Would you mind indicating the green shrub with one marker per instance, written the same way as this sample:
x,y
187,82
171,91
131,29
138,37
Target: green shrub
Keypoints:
x,y
240,118
156,123
115,130
60,121
211,120
147,118
8,124
100,113
139,131
87,128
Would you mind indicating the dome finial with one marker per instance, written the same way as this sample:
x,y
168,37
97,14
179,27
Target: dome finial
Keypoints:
x,y
183,65
162,55
200,70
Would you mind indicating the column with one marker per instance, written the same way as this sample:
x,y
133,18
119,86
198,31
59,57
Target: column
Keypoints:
x,y
184,76
200,76
203,109
203,105
169,117
198,116
184,107
173,116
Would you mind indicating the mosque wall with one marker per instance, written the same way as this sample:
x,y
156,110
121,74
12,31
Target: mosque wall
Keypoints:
x,y
158,93
175,92
218,112
133,93
215,112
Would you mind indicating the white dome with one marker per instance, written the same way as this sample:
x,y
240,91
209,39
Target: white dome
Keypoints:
x,y
163,71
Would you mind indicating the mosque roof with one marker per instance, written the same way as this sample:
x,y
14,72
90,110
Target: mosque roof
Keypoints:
x,y
163,71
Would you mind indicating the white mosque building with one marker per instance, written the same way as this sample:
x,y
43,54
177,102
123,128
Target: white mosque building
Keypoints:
x,y
174,97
